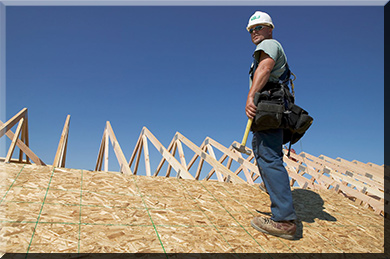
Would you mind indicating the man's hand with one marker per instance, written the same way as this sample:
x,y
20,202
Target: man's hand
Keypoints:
x,y
250,108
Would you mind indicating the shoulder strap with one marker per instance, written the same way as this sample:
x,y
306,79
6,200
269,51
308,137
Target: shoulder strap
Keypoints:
x,y
286,75
254,66
283,79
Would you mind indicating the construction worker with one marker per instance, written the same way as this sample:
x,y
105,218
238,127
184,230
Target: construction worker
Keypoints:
x,y
269,64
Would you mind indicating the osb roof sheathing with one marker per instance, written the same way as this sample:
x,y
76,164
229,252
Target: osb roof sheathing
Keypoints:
x,y
77,211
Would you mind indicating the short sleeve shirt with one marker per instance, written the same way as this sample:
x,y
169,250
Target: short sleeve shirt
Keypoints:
x,y
275,50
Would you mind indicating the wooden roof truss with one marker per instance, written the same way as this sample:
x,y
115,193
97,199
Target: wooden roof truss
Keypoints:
x,y
19,138
362,183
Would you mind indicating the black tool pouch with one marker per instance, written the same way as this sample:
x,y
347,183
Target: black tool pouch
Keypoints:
x,y
269,115
298,121
270,109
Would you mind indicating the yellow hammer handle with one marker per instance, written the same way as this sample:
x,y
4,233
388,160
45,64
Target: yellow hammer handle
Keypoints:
x,y
248,127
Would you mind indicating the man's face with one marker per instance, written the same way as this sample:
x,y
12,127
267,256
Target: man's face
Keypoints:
x,y
260,33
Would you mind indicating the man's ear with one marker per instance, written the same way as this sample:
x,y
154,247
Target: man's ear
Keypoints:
x,y
270,32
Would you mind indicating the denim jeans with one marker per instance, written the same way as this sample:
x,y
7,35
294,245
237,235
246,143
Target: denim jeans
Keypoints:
x,y
267,148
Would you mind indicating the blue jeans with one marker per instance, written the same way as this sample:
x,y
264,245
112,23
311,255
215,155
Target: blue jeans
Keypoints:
x,y
267,148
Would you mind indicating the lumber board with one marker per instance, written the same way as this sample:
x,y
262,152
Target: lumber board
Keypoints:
x,y
248,176
12,122
23,147
162,161
209,159
137,160
181,154
364,183
25,136
379,167
220,160
135,150
14,139
124,167
376,204
234,155
64,154
99,160
14,160
249,158
173,151
370,170
359,185
106,149
369,165
61,149
136,154
212,154
374,180
195,156
302,181
354,168
323,181
176,165
200,164
146,155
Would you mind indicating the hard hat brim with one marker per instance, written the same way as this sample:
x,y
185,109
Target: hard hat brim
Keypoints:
x,y
261,23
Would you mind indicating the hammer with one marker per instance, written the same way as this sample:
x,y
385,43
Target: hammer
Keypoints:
x,y
242,148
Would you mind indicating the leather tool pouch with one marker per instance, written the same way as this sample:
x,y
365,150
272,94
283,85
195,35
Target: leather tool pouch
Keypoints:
x,y
298,119
269,115
270,109
276,109
298,122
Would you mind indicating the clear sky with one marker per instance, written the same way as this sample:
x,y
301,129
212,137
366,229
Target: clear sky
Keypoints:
x,y
185,69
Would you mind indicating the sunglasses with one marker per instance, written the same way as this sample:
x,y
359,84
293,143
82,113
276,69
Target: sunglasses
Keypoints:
x,y
257,28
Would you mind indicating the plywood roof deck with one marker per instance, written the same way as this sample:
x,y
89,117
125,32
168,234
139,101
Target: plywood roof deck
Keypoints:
x,y
44,210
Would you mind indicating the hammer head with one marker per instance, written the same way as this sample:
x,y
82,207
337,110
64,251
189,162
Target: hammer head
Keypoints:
x,y
242,149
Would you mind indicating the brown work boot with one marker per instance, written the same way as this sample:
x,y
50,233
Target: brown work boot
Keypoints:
x,y
262,187
283,229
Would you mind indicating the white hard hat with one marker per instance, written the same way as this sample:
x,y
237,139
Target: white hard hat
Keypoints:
x,y
259,18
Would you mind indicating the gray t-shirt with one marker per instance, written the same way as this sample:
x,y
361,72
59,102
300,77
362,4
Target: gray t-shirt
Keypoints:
x,y
275,50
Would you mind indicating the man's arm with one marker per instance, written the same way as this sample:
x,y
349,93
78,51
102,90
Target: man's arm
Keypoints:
x,y
260,78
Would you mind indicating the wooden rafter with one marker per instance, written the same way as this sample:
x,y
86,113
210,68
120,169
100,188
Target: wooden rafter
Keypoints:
x,y
349,186
167,156
362,183
306,171
343,172
22,142
14,139
103,151
209,159
340,166
60,157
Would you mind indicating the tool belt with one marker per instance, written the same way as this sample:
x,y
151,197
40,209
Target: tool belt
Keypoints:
x,y
276,109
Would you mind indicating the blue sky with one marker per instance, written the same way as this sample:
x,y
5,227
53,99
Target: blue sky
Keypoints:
x,y
185,69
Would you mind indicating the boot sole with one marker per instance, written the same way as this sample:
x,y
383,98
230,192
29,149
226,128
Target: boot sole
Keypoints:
x,y
285,236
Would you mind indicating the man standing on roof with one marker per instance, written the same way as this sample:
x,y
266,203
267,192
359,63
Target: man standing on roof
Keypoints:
x,y
269,64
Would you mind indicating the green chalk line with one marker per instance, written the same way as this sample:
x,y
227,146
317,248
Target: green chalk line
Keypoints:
x,y
252,214
233,217
150,217
40,212
11,185
213,225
